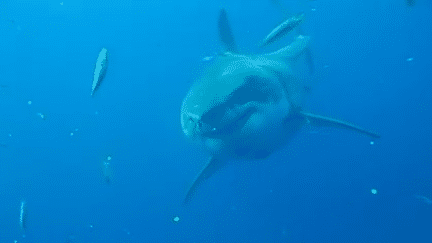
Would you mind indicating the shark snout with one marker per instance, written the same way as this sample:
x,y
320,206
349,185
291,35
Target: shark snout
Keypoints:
x,y
193,126
188,122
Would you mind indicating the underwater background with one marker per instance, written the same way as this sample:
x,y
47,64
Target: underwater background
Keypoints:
x,y
372,67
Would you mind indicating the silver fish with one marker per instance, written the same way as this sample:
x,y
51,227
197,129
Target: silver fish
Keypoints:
x,y
107,170
100,69
307,51
23,216
283,29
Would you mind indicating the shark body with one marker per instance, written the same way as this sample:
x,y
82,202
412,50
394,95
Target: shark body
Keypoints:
x,y
248,106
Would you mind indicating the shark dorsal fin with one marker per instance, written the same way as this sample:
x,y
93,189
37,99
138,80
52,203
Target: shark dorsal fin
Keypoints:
x,y
225,33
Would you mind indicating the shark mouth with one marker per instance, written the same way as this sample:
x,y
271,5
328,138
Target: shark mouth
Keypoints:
x,y
234,126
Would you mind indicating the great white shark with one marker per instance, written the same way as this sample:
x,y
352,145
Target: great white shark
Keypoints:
x,y
245,107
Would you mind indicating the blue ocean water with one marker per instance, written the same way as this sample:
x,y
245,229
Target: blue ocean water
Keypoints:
x,y
372,68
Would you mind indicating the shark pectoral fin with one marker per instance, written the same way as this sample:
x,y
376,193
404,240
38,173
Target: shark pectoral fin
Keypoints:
x,y
317,120
295,49
211,167
225,33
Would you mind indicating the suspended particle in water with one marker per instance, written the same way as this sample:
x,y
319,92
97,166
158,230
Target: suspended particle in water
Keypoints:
x,y
176,219
72,133
109,158
126,231
372,142
29,102
206,59
374,191
410,59
41,115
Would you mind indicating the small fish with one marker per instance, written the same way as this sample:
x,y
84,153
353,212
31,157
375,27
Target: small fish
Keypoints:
x,y
424,199
307,51
23,216
100,69
208,58
283,29
107,170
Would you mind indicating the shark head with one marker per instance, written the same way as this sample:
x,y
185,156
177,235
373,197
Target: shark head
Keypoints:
x,y
235,101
